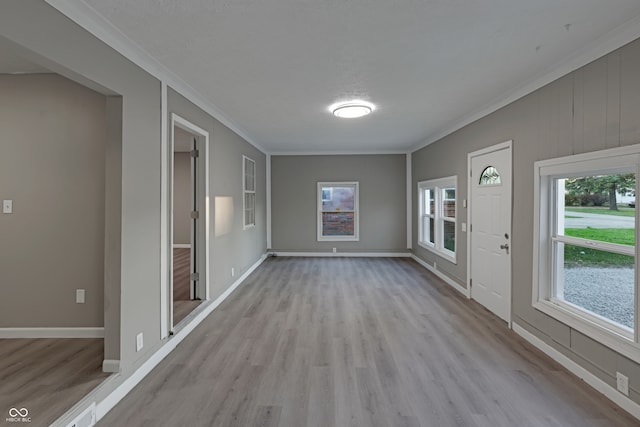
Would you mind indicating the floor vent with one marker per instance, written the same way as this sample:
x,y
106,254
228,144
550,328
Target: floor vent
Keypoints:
x,y
86,419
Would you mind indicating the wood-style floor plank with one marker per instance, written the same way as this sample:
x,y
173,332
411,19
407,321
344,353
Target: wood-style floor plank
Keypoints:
x,y
47,376
182,304
358,342
181,272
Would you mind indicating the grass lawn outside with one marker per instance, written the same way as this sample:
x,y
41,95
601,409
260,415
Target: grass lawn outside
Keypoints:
x,y
602,210
575,256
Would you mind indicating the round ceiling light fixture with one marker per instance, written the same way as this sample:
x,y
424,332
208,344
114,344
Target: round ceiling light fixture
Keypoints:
x,y
352,109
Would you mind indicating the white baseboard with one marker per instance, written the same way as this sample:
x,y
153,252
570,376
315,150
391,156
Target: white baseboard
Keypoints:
x,y
345,254
110,365
51,332
104,406
442,276
181,246
611,393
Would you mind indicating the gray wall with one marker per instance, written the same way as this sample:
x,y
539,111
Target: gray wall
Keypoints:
x,y
77,55
235,248
182,198
593,108
133,185
382,201
113,229
52,164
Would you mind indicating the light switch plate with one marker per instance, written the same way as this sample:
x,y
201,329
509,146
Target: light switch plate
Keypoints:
x,y
622,383
7,206
79,296
139,341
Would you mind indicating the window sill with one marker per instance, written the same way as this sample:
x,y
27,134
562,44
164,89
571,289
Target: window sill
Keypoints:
x,y
439,252
614,338
338,239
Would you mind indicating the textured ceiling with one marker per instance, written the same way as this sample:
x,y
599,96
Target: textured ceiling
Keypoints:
x,y
275,66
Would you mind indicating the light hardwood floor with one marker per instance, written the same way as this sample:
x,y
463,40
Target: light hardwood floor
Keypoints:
x,y
357,342
182,305
47,376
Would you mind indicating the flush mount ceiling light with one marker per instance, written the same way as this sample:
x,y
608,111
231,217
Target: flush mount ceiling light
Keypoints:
x,y
351,109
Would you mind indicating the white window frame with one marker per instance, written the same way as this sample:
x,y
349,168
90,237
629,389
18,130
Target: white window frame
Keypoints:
x,y
246,191
356,210
437,186
546,172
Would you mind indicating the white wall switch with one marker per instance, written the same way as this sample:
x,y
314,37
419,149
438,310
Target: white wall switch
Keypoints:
x,y
79,296
7,206
139,342
463,226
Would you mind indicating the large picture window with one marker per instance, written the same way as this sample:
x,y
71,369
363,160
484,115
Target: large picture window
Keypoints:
x,y
585,252
249,191
437,216
338,211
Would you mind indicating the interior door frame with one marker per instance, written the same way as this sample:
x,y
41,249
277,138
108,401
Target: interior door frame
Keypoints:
x,y
508,145
203,240
194,291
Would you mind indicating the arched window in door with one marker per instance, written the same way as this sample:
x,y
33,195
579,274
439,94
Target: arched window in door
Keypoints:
x,y
490,176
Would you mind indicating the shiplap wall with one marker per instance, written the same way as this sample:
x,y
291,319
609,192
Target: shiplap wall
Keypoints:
x,y
593,108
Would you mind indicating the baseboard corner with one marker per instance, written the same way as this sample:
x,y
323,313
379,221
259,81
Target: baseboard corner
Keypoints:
x,y
444,277
75,332
599,385
111,366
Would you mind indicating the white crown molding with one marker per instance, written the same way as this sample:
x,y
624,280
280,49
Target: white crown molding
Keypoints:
x,y
88,18
614,39
340,153
92,21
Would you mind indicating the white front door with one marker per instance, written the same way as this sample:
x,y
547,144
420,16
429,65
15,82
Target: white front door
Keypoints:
x,y
490,228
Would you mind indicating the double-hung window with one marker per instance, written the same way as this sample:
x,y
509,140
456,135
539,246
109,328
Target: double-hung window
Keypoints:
x,y
437,216
585,245
249,191
338,211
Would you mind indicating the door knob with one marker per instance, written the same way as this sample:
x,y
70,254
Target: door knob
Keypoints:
x,y
505,246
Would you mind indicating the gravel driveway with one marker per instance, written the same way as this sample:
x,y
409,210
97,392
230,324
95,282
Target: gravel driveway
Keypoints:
x,y
604,291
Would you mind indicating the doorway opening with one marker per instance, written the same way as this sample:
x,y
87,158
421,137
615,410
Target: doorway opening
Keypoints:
x,y
189,212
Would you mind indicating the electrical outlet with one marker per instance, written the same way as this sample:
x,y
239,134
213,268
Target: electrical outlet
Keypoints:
x,y
79,296
7,206
139,342
335,250
622,383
